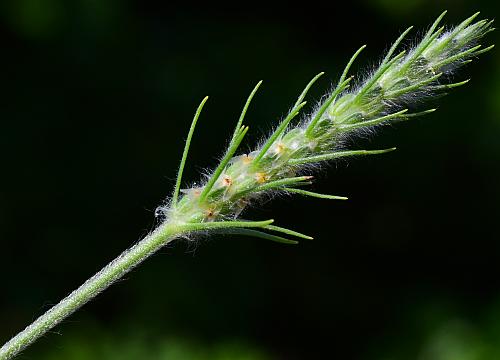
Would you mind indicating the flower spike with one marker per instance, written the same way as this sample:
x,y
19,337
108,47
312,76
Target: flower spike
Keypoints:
x,y
282,162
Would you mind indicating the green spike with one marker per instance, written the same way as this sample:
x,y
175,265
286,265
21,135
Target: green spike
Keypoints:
x,y
420,113
377,121
416,86
177,188
489,30
316,195
337,155
478,27
434,25
281,128
380,71
488,24
326,105
483,50
429,37
295,181
349,64
457,29
258,234
230,152
225,225
431,34
244,111
306,89
396,44
287,231
424,44
456,57
450,86
463,24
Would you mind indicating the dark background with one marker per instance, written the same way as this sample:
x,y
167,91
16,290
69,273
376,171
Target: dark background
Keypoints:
x,y
97,97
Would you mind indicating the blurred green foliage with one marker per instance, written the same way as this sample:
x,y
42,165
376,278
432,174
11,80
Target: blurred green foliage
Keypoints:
x,y
97,99
108,347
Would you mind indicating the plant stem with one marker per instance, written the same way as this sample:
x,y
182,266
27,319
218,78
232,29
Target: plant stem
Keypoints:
x,y
92,287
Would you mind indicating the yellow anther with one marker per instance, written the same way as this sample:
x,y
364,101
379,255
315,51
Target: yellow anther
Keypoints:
x,y
246,159
261,177
280,147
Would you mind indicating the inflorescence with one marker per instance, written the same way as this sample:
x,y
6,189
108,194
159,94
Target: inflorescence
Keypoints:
x,y
283,161
401,80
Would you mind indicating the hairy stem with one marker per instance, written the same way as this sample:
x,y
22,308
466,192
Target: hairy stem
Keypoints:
x,y
92,287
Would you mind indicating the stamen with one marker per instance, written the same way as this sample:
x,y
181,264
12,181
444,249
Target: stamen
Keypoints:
x,y
211,214
193,192
279,148
261,177
246,159
227,181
